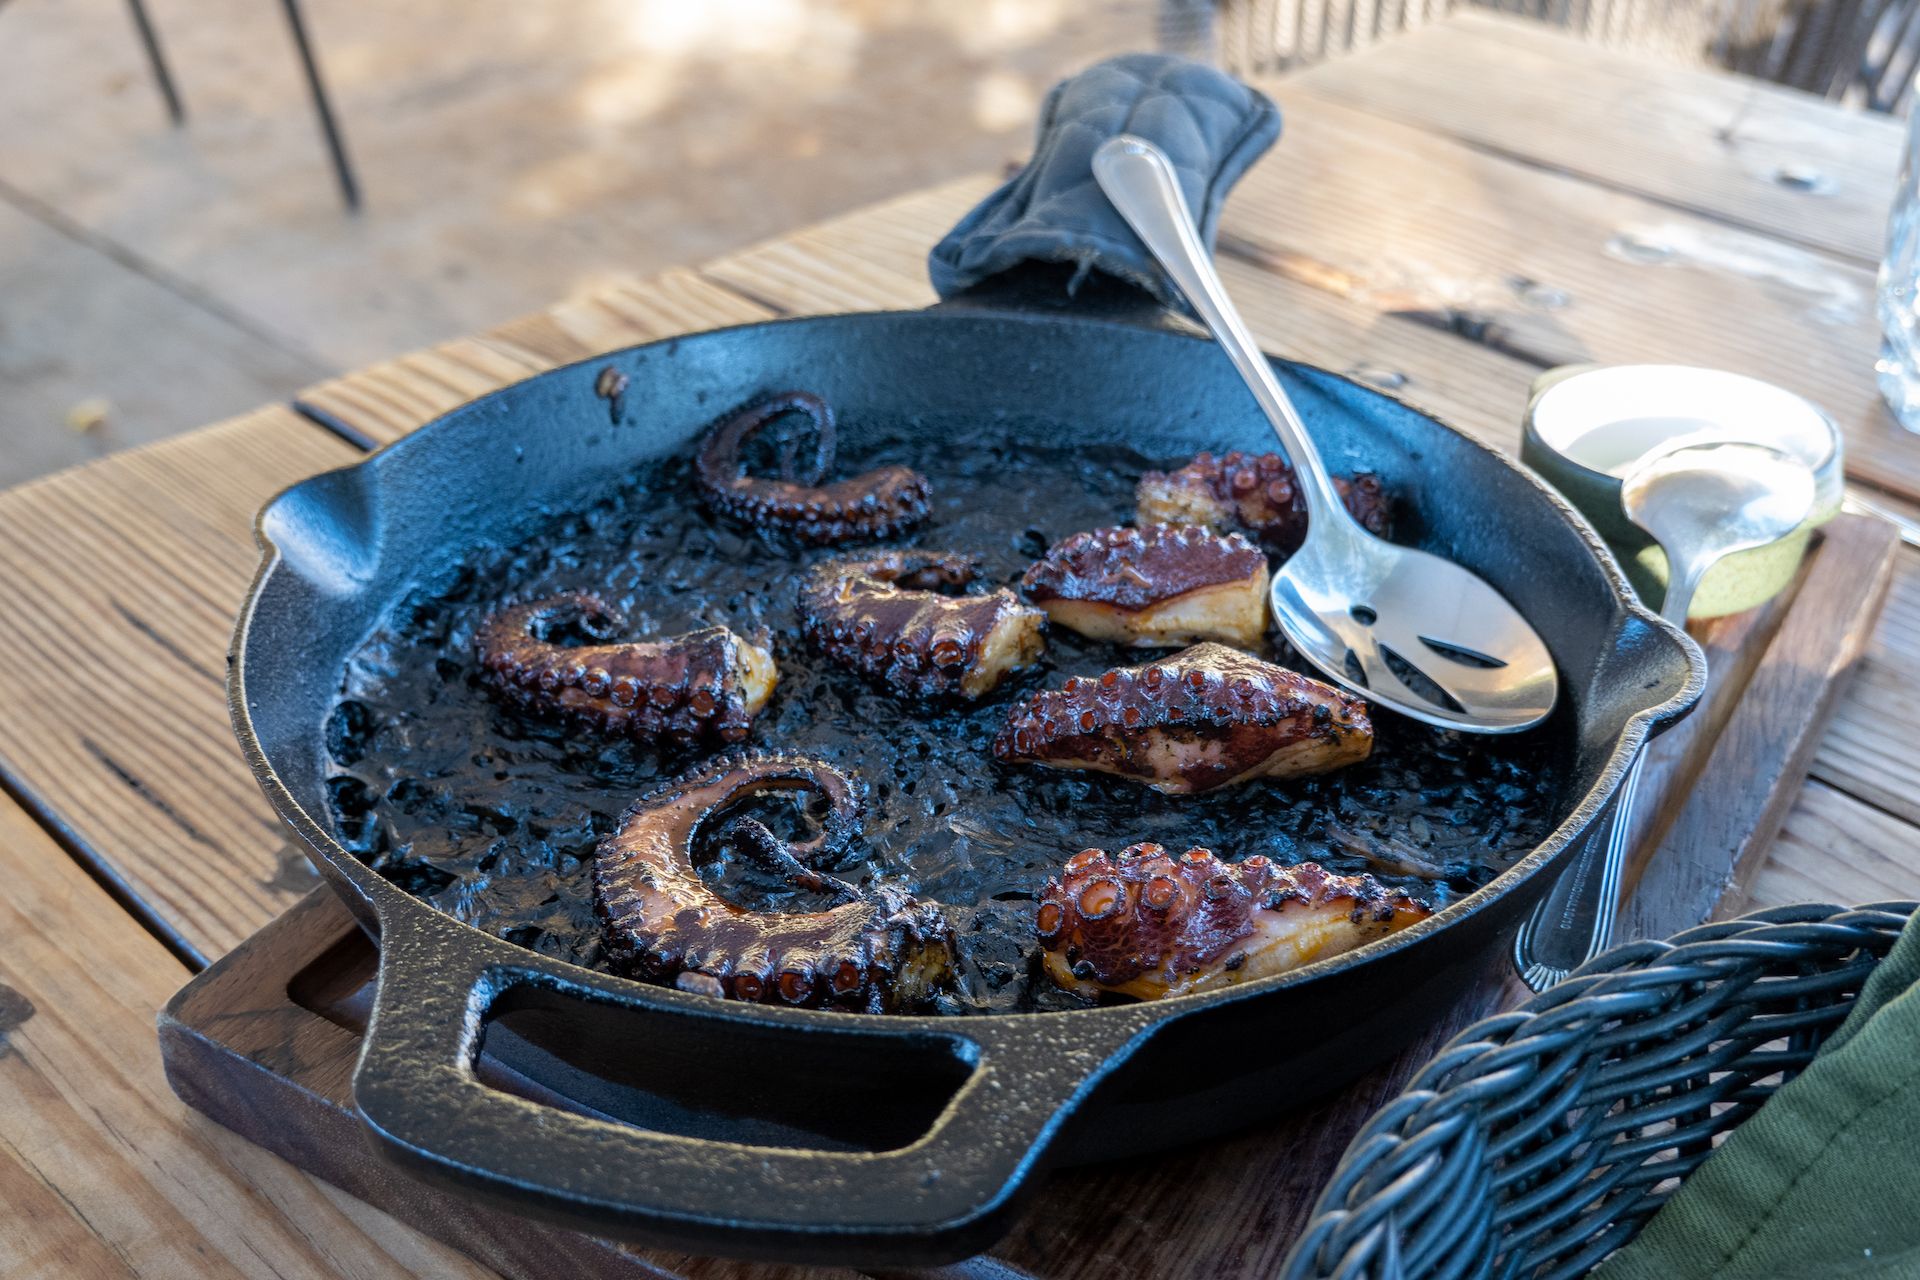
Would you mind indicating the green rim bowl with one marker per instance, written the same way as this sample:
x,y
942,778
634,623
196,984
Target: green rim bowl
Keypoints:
x,y
1587,425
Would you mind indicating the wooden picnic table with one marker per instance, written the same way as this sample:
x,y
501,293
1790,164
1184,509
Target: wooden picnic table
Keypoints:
x,y
1449,213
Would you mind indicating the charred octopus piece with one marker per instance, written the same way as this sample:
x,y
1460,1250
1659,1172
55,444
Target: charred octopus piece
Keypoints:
x,y
875,504
699,689
1159,586
878,951
1207,717
1255,492
884,616
1148,924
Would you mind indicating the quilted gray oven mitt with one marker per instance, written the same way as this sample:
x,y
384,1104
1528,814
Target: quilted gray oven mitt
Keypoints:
x,y
1212,126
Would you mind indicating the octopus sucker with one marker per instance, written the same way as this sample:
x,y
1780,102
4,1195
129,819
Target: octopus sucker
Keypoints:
x,y
1204,718
1158,586
702,688
1256,493
896,618
880,951
874,504
1150,924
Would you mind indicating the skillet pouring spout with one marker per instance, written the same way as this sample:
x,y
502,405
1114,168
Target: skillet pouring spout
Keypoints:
x,y
649,1114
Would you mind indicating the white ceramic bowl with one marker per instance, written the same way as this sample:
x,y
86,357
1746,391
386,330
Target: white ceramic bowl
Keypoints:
x,y
1587,426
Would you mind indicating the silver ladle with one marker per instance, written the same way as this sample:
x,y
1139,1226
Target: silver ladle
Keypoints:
x,y
1702,504
1403,628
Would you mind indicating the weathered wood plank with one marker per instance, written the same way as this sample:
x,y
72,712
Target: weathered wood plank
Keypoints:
x,y
385,401
123,578
1733,647
1864,751
81,326
1544,265
1719,839
871,259
1751,154
1834,848
102,1171
1555,271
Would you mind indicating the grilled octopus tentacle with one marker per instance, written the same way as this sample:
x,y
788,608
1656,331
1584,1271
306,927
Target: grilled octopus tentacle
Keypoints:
x,y
1148,924
1204,718
875,504
754,838
1161,585
1255,492
702,688
879,952
883,615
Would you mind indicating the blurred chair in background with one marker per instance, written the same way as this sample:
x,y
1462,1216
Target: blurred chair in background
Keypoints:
x,y
1860,52
309,65
157,61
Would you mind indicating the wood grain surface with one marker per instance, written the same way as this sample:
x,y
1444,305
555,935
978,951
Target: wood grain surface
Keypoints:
x,y
1720,834
103,1172
1866,751
1835,848
125,577
383,402
1552,270
1733,648
1699,140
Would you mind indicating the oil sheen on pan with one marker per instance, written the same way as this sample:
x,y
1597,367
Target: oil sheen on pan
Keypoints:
x,y
492,814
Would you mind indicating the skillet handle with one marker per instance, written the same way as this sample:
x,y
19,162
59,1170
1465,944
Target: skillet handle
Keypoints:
x,y
948,1193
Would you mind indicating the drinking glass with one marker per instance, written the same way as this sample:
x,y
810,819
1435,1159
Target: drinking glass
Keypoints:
x,y
1899,292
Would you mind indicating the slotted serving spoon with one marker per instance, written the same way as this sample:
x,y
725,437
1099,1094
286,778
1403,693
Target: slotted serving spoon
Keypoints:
x,y
1403,628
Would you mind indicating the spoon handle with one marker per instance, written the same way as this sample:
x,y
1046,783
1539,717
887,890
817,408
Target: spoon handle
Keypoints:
x,y
1683,580
1139,179
1574,923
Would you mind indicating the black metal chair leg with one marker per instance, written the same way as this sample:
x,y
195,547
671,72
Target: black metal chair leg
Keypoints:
x,y
336,145
162,77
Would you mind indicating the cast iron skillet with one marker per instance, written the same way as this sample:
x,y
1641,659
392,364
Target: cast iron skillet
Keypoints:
x,y
720,1127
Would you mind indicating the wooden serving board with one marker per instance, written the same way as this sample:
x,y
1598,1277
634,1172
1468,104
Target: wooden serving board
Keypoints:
x,y
265,1041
